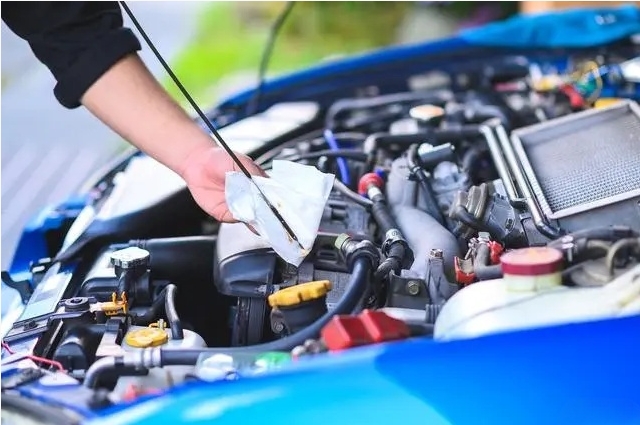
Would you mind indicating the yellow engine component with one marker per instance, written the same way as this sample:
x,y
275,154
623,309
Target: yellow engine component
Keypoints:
x,y
147,337
115,306
299,293
605,102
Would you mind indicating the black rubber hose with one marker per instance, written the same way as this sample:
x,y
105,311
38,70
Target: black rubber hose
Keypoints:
x,y
480,112
461,214
470,162
434,97
397,251
393,261
152,312
353,154
609,233
423,182
314,138
382,216
177,332
434,136
166,297
356,288
481,267
470,158
180,259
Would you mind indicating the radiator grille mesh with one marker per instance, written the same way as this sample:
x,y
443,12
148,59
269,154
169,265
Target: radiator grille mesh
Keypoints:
x,y
583,161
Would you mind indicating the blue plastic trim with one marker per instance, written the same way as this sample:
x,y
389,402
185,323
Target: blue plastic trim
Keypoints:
x,y
32,245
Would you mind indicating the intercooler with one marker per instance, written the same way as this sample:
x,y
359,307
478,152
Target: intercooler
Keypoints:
x,y
574,172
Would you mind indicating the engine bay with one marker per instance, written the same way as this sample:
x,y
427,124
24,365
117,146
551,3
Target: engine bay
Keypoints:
x,y
513,203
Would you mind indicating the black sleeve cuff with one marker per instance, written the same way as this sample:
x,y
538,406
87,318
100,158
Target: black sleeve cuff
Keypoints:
x,y
92,64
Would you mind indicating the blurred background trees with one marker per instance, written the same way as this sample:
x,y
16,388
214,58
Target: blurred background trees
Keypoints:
x,y
230,36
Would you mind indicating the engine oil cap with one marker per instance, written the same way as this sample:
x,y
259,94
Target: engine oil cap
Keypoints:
x,y
146,337
533,261
297,294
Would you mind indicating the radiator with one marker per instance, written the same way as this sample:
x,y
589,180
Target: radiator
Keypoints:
x,y
581,170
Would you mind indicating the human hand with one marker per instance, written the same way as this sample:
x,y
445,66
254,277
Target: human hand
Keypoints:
x,y
204,173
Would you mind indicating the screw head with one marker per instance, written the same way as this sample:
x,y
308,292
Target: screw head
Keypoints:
x,y
436,253
413,287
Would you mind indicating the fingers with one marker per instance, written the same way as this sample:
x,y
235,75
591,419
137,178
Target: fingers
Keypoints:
x,y
227,217
250,227
252,167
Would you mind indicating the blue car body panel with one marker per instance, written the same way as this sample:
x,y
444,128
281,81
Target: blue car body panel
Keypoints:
x,y
563,29
581,373
574,374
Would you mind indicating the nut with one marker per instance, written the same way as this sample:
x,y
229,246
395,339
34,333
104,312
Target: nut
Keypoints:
x,y
436,253
413,287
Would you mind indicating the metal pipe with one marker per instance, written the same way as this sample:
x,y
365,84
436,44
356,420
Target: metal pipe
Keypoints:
x,y
501,166
512,161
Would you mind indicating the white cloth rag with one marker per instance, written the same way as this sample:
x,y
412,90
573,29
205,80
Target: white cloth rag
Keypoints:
x,y
298,192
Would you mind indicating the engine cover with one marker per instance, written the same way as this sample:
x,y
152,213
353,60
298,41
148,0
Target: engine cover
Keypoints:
x,y
248,269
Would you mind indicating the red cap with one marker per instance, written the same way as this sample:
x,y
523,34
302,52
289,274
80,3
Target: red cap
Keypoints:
x,y
532,261
368,180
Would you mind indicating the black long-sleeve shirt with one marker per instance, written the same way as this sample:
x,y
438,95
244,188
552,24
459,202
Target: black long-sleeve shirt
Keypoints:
x,y
77,41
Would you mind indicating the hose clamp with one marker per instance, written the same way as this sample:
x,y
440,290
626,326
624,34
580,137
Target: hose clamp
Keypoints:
x,y
392,237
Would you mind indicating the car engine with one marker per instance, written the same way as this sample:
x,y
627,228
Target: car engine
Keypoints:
x,y
455,213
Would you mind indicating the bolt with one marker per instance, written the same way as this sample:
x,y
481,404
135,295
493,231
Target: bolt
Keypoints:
x,y
413,287
30,325
298,351
278,327
436,253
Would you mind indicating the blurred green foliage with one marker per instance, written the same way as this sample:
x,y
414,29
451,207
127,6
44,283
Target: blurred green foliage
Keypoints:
x,y
231,36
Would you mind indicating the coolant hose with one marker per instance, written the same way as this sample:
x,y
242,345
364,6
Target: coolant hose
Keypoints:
x,y
357,286
481,267
418,172
382,216
392,262
177,333
395,246
398,251
152,312
99,368
166,296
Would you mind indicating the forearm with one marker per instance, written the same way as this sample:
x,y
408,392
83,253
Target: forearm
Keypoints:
x,y
130,101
